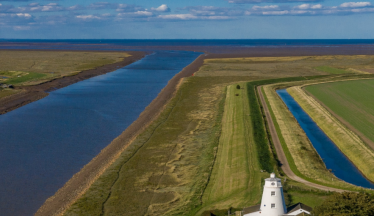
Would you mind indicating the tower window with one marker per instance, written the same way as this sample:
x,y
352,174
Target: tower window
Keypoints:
x,y
273,193
273,205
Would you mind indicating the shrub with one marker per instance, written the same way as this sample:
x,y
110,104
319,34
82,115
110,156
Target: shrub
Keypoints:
x,y
347,203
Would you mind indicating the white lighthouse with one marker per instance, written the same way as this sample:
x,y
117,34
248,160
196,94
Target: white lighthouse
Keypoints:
x,y
272,202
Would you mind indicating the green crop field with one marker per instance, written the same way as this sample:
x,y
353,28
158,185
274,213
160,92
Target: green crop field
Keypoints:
x,y
352,101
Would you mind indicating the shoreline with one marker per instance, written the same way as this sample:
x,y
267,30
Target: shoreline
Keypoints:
x,y
81,181
33,93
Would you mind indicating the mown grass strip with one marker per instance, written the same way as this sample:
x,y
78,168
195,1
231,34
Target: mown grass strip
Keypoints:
x,y
331,70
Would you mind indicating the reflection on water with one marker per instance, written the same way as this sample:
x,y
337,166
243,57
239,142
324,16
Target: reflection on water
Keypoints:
x,y
329,152
44,143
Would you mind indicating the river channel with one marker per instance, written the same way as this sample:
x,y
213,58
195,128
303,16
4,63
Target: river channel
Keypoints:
x,y
333,158
43,144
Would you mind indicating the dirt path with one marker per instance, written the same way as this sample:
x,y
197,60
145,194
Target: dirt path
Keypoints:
x,y
36,92
281,156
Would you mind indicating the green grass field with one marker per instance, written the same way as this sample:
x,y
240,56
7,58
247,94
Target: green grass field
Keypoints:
x,y
25,78
30,67
331,70
351,100
236,177
346,140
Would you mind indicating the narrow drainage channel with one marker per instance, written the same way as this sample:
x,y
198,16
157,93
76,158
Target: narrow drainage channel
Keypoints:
x,y
333,158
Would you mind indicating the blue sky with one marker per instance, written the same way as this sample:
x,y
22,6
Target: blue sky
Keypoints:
x,y
192,19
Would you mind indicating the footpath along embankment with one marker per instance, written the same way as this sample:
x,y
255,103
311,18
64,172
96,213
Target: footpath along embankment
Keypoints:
x,y
278,147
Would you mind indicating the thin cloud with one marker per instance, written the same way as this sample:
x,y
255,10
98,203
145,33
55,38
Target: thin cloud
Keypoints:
x,y
143,13
87,17
355,4
267,7
348,8
191,17
214,11
36,7
269,1
162,8
178,16
308,6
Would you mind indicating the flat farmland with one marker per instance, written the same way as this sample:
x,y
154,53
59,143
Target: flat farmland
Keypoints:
x,y
352,102
271,67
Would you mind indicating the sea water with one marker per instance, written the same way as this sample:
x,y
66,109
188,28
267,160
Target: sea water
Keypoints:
x,y
43,144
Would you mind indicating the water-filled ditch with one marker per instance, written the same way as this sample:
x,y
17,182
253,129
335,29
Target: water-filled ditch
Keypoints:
x,y
333,158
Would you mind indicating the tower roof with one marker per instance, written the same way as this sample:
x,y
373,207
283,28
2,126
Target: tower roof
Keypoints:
x,y
272,178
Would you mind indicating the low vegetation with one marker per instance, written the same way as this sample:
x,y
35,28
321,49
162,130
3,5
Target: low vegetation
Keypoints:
x,y
7,92
303,159
31,67
271,67
236,177
331,70
167,168
346,204
347,141
25,77
345,98
205,152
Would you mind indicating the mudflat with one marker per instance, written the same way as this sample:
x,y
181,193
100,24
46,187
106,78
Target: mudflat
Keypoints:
x,y
29,93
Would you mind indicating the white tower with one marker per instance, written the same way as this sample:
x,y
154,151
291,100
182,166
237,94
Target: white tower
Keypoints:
x,y
272,203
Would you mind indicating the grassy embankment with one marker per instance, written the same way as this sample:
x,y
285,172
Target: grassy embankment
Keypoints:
x,y
32,67
301,155
345,98
167,168
236,177
346,140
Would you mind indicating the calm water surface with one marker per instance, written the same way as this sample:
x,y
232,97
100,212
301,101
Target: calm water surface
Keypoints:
x,y
329,152
44,143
